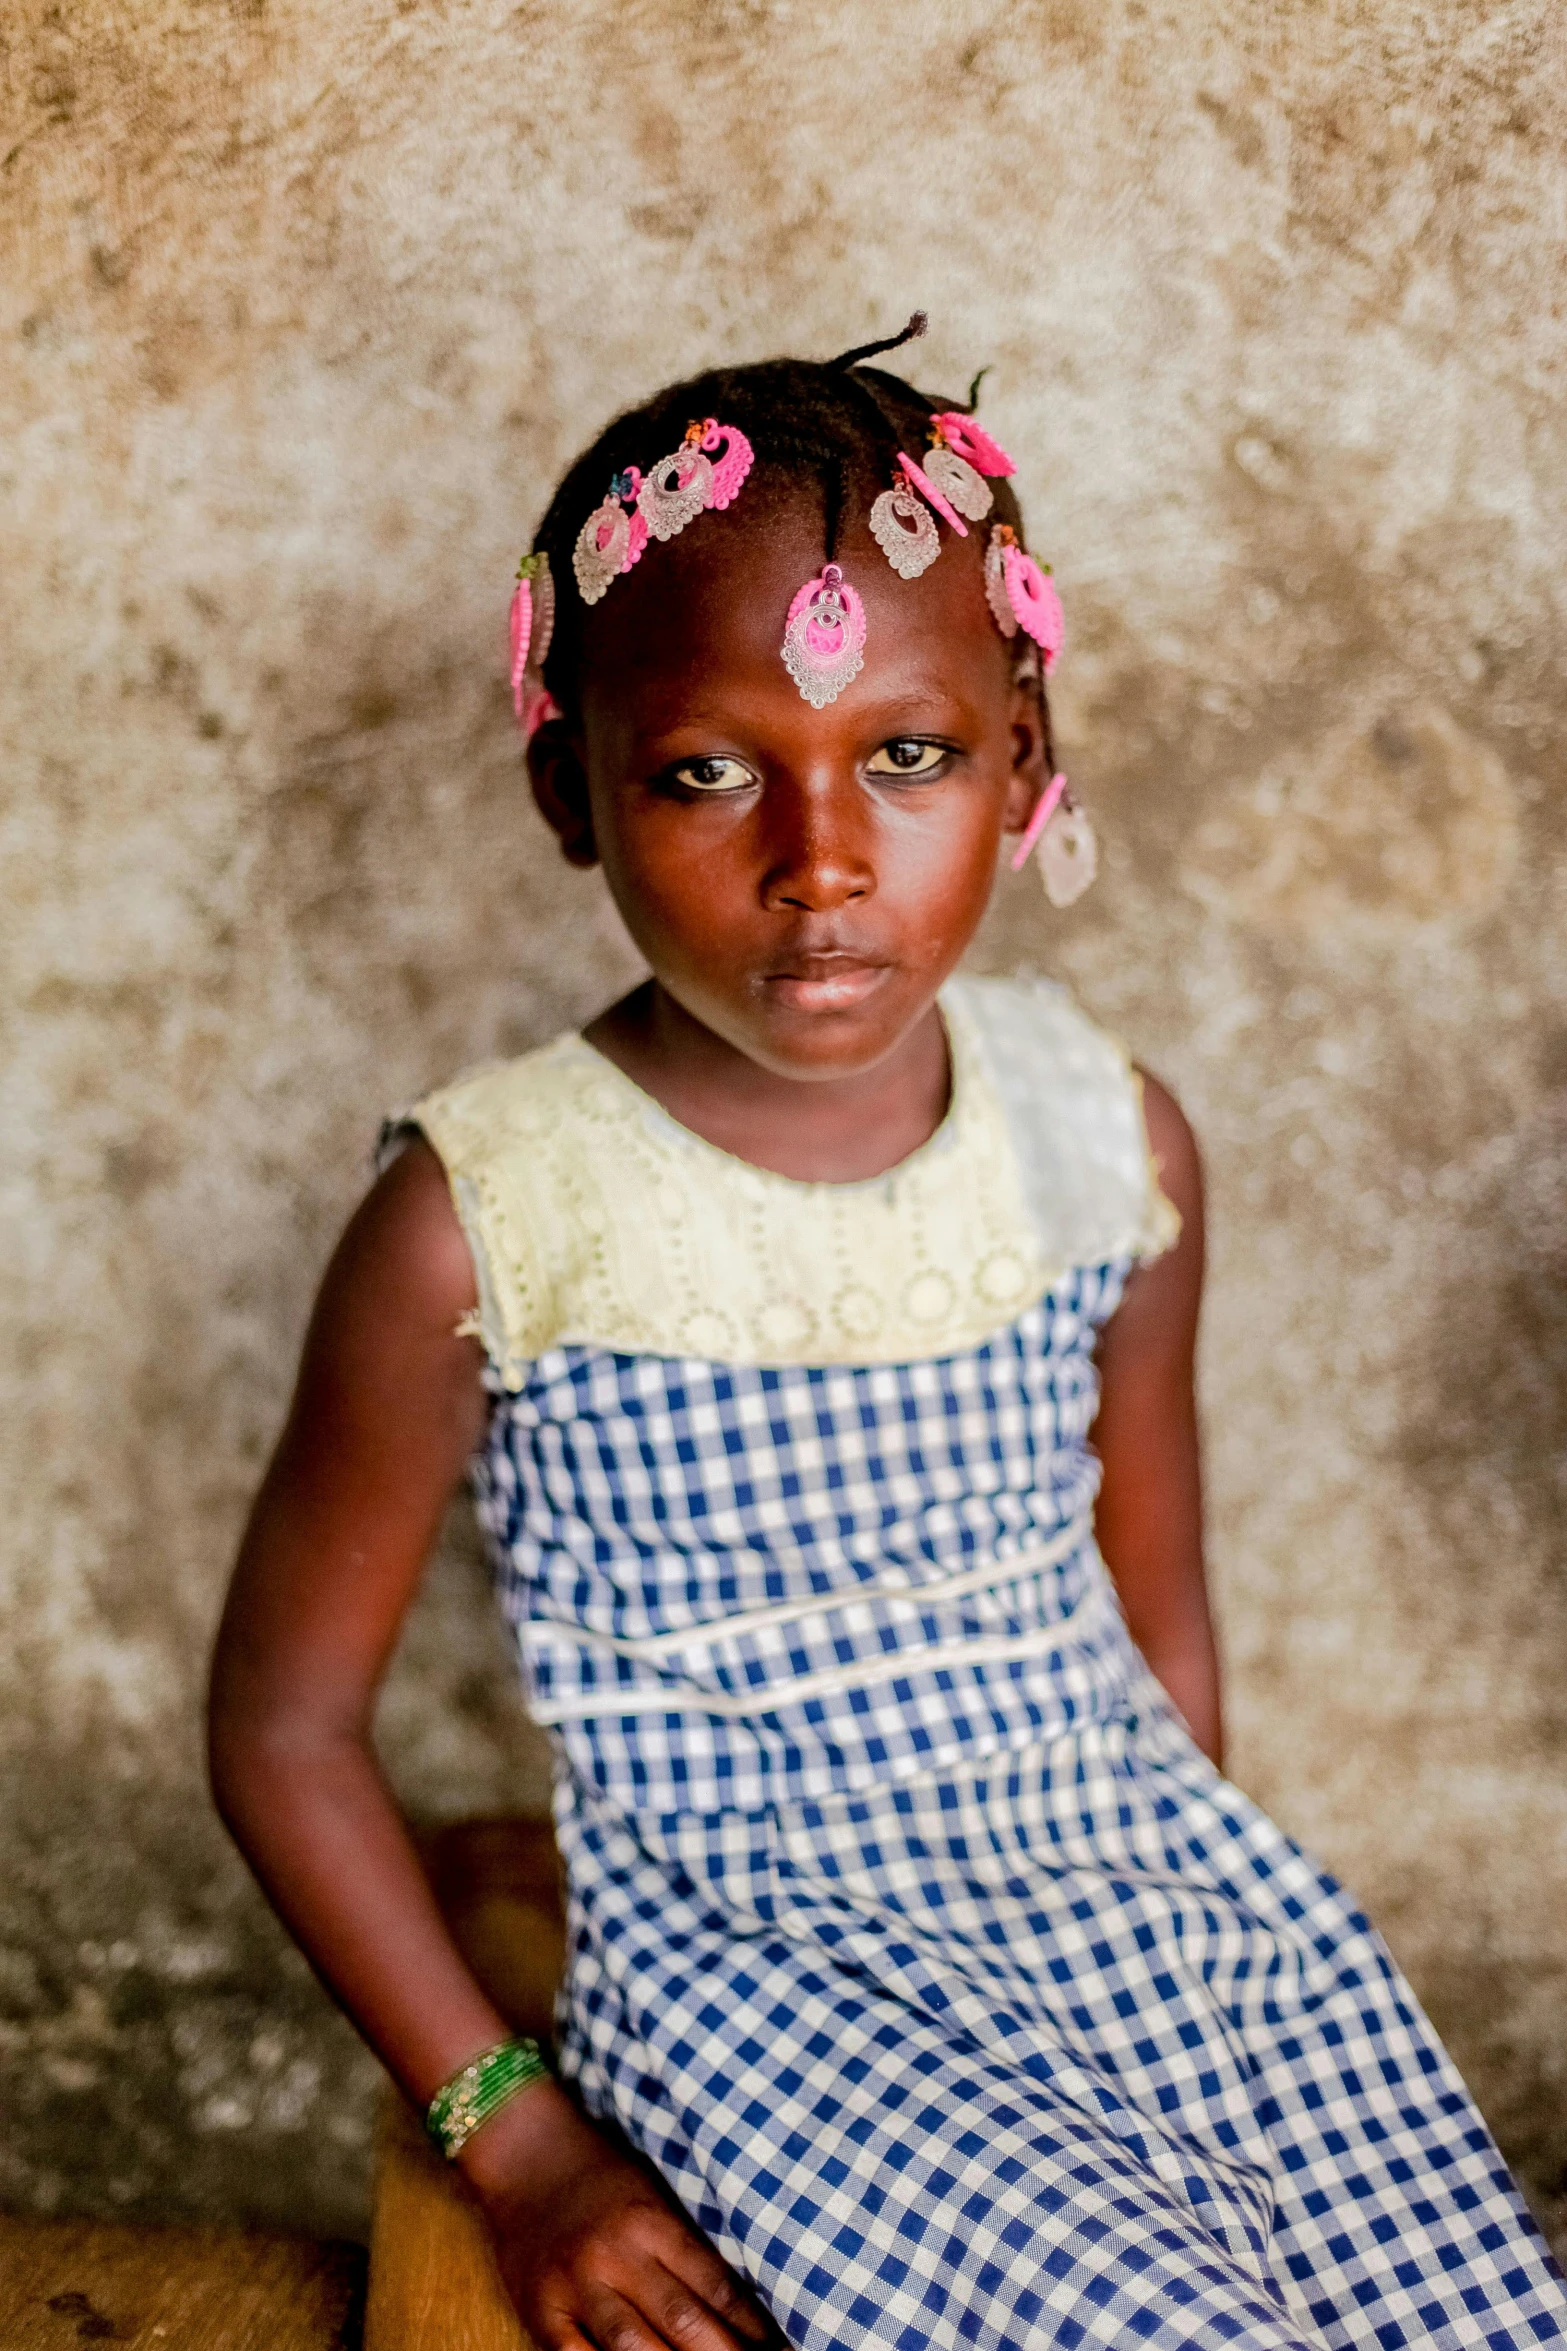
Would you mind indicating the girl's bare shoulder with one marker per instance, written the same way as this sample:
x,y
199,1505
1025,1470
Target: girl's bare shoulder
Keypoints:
x,y
1174,1148
403,1269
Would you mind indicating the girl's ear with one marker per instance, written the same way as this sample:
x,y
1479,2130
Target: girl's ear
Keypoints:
x,y
1030,753
560,789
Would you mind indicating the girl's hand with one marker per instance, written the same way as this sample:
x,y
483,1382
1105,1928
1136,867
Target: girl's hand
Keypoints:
x,y
591,2250
390,1405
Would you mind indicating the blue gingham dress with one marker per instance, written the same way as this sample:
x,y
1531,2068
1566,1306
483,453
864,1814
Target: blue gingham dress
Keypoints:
x,y
955,1994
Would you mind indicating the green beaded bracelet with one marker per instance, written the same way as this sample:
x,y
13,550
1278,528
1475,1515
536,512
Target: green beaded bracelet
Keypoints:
x,y
480,2090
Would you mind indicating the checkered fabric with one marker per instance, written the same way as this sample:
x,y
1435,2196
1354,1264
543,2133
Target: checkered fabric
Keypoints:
x,y
955,1994
632,1500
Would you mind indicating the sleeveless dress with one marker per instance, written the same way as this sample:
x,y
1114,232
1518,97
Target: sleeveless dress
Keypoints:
x,y
954,1993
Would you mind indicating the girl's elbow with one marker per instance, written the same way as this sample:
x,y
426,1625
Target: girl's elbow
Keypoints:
x,y
239,1737
261,1737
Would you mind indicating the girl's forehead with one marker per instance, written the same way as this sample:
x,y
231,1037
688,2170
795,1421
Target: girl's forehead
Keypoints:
x,y
709,608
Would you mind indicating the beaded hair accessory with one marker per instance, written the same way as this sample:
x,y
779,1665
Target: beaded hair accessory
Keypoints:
x,y
954,483
532,626
1022,595
612,538
955,430
951,483
705,472
824,637
918,479
1062,840
902,528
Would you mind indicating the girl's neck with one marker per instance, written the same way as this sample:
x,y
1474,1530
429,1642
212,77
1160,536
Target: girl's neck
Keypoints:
x,y
822,1130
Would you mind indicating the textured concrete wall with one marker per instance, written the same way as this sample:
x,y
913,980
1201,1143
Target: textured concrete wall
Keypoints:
x,y
301,308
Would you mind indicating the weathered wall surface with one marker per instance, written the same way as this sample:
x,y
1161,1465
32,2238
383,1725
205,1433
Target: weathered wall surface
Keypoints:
x,y
301,308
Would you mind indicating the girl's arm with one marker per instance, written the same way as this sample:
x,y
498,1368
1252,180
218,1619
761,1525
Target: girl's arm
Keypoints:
x,y
389,1406
1149,1518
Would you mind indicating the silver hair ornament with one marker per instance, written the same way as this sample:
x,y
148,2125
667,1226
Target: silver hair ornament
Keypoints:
x,y
910,550
1067,853
961,484
603,544
996,596
824,641
675,491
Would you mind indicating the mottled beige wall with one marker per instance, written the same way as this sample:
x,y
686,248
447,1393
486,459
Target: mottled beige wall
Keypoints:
x,y
302,304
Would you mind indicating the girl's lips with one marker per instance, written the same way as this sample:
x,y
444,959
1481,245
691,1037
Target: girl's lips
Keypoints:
x,y
825,983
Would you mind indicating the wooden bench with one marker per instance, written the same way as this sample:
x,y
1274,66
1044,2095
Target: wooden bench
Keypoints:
x,y
433,2281
433,2284
68,2282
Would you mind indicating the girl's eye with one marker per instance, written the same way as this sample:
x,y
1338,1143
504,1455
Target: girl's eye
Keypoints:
x,y
907,756
712,775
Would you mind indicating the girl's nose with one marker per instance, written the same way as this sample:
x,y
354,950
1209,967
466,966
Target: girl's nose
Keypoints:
x,y
818,848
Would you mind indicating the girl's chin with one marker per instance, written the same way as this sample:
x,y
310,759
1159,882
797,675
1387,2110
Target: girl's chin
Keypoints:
x,y
814,1032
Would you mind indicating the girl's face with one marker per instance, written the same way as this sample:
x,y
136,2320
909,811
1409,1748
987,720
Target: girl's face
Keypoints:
x,y
801,881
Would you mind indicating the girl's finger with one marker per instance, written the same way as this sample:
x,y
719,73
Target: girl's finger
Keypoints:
x,y
694,2267
614,2324
689,2320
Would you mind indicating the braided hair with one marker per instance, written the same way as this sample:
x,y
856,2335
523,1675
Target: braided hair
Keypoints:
x,y
836,423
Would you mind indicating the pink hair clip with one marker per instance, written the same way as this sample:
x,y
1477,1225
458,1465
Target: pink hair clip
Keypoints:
x,y
532,624
1022,596
539,706
1044,810
730,470
824,637
929,492
971,442
1032,596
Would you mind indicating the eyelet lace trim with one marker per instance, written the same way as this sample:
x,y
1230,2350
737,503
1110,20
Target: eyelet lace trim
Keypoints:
x,y
595,1219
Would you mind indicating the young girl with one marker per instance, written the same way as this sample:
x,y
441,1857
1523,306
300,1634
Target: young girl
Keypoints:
x,y
818,1328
